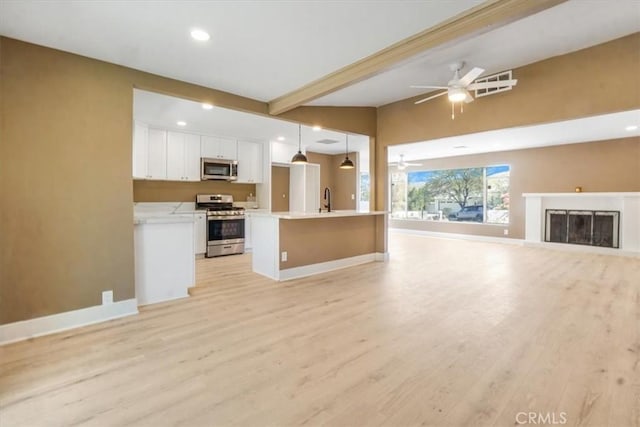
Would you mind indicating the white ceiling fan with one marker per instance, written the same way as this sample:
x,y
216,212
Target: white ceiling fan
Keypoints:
x,y
402,165
458,87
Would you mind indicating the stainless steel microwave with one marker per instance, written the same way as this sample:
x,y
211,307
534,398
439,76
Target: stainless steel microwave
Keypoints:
x,y
219,169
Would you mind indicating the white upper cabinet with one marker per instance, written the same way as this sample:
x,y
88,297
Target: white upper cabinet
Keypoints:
x,y
218,148
149,152
140,150
282,153
157,154
183,156
249,162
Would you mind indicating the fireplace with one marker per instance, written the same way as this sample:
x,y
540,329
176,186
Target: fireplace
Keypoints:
x,y
582,227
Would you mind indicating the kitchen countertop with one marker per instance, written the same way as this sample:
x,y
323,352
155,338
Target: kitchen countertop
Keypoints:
x,y
311,215
161,218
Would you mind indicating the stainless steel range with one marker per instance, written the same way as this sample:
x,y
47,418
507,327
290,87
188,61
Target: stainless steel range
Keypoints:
x,y
225,224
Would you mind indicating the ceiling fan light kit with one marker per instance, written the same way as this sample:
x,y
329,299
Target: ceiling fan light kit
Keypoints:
x,y
457,90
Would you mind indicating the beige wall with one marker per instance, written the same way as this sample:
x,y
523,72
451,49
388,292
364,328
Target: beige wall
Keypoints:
x,y
311,241
596,166
360,120
346,183
342,182
175,191
66,223
575,85
279,188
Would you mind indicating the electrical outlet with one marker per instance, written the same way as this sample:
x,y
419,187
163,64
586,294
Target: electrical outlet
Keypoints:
x,y
353,197
506,232
284,256
107,297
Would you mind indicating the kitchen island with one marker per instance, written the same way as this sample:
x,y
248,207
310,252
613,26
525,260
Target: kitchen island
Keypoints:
x,y
288,245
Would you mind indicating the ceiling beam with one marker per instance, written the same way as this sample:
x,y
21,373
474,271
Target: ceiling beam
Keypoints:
x,y
480,19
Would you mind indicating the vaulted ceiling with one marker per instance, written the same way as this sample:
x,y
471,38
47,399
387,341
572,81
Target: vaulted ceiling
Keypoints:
x,y
293,53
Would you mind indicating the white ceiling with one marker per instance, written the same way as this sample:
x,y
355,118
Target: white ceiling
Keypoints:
x,y
568,27
258,49
264,49
165,111
596,128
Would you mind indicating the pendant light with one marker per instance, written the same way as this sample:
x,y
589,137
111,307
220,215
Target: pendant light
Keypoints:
x,y
299,158
347,163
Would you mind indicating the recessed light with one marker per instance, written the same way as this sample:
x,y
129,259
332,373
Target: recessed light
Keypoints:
x,y
200,35
181,123
281,138
630,128
206,106
316,128
458,147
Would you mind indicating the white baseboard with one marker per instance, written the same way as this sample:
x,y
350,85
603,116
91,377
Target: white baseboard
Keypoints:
x,y
456,236
25,329
323,267
583,249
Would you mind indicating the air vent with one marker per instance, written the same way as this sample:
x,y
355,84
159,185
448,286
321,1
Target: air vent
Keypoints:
x,y
327,141
505,75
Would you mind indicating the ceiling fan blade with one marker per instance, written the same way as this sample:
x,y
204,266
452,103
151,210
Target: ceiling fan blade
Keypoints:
x,y
471,76
428,87
492,85
413,164
468,98
430,97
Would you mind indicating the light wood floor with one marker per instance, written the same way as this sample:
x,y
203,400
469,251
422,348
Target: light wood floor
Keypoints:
x,y
446,333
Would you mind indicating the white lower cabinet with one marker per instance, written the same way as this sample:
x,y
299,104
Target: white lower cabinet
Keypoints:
x,y
200,233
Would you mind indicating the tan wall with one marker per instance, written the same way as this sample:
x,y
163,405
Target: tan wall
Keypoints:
x,y
175,191
575,85
360,120
310,241
279,189
346,184
342,182
66,223
327,177
596,166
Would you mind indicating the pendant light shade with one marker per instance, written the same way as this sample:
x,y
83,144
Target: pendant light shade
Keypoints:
x,y
347,163
299,158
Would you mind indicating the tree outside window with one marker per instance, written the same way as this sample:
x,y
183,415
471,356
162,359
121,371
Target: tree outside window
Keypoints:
x,y
468,195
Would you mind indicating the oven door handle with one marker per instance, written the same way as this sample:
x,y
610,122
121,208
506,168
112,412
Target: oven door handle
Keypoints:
x,y
214,218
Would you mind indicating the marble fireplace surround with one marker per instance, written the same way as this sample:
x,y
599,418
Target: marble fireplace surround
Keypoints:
x,y
628,204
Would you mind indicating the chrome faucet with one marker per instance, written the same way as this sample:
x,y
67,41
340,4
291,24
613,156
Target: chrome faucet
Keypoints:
x,y
327,198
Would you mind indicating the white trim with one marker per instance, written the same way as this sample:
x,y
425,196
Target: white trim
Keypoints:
x,y
323,267
457,236
582,248
382,256
25,329
586,194
172,298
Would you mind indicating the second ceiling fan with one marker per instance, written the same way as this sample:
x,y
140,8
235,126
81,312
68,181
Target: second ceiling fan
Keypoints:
x,y
458,87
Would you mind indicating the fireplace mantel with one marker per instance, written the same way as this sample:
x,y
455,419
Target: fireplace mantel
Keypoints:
x,y
627,203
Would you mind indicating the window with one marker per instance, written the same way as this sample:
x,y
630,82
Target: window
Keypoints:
x,y
365,189
467,195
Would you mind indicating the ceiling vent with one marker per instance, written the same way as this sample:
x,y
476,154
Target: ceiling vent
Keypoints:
x,y
505,75
327,141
